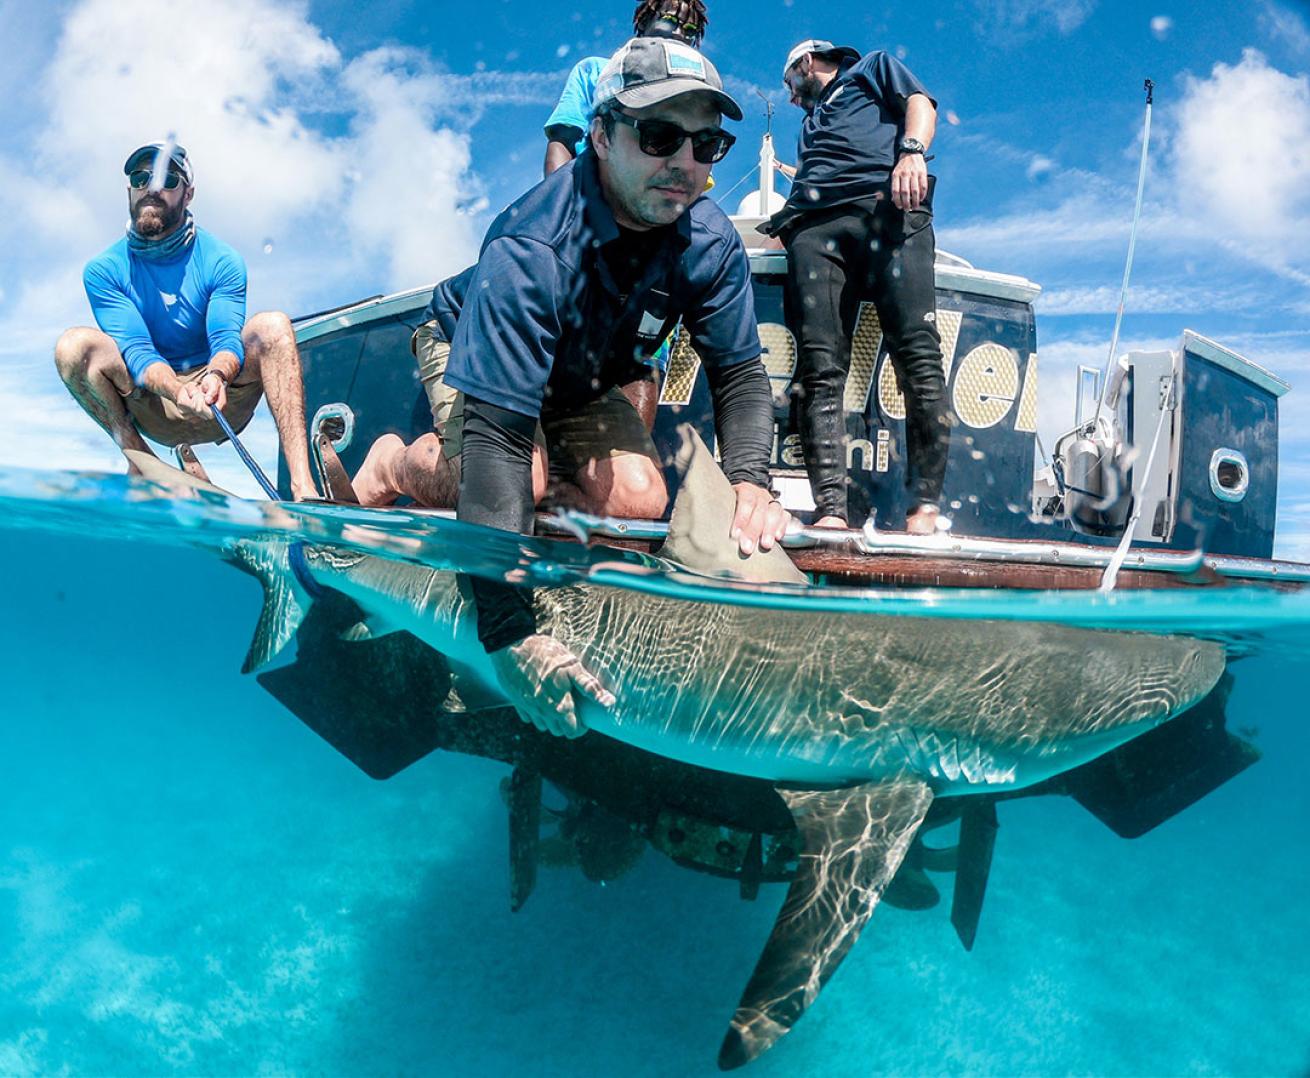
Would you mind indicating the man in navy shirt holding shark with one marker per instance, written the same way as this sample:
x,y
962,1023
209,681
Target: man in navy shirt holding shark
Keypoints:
x,y
578,283
858,226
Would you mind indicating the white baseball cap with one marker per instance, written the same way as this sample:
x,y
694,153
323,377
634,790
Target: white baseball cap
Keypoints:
x,y
820,47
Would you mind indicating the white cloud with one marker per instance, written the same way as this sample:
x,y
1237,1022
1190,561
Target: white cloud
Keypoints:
x,y
1039,167
245,101
378,202
1240,157
1161,25
1285,25
1145,299
1022,16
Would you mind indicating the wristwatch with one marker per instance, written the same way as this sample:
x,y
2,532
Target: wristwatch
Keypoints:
x,y
910,145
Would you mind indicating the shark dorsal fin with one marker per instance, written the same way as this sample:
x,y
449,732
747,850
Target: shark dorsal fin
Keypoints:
x,y
702,518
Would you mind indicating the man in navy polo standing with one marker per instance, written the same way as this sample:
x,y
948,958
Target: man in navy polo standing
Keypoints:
x,y
858,226
578,283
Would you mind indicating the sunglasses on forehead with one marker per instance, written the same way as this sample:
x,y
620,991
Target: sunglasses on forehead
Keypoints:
x,y
661,138
139,180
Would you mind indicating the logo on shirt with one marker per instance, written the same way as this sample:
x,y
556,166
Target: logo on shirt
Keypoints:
x,y
650,325
168,300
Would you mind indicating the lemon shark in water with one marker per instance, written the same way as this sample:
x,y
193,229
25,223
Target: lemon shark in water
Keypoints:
x,y
859,719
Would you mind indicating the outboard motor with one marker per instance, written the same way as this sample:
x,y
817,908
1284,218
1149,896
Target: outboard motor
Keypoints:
x,y
1092,469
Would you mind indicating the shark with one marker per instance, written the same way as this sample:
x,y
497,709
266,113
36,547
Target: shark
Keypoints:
x,y
858,720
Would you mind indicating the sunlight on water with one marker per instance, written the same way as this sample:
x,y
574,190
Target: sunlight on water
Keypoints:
x,y
191,881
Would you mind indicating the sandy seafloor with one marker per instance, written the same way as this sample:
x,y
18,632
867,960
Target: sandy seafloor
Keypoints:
x,y
192,883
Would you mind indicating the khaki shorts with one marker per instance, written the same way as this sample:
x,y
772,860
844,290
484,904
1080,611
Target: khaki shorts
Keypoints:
x,y
599,429
162,421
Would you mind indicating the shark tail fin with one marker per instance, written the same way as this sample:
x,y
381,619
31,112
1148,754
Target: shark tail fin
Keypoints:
x,y
285,604
855,839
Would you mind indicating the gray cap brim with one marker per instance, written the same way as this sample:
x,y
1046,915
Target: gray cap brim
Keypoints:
x,y
640,97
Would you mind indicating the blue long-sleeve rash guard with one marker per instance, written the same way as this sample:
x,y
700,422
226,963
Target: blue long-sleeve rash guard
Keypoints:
x,y
181,312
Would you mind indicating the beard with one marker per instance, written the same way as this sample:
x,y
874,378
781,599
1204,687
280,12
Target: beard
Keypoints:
x,y
808,92
152,218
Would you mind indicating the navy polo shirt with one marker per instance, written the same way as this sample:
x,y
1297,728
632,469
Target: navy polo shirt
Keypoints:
x,y
847,146
545,323
447,300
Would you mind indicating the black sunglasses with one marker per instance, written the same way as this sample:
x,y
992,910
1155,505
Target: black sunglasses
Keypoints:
x,y
140,179
660,138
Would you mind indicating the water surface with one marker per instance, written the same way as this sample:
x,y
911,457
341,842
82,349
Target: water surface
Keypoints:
x,y
191,882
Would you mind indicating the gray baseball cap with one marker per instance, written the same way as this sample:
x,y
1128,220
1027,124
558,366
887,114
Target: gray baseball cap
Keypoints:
x,y
823,48
648,70
144,157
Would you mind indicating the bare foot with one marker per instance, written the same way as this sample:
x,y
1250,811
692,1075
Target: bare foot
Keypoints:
x,y
302,492
923,521
375,482
830,522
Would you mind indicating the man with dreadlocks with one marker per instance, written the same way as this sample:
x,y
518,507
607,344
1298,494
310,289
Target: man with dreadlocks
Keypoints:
x,y
566,129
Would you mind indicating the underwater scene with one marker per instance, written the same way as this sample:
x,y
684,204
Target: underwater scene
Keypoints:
x,y
193,880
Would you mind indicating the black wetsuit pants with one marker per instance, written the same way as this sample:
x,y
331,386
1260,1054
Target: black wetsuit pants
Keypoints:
x,y
836,259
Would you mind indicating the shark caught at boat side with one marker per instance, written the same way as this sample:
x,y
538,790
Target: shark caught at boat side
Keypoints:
x,y
859,719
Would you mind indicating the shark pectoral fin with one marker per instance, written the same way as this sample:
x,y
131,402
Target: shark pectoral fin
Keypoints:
x,y
854,841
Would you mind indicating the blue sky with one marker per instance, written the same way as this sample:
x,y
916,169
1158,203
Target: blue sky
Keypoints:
x,y
349,149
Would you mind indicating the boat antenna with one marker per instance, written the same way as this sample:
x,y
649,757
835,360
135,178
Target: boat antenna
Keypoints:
x,y
768,112
1149,87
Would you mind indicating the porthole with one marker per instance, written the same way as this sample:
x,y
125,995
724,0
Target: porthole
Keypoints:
x,y
1230,475
337,421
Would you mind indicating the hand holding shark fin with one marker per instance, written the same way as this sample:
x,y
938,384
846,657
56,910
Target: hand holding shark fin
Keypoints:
x,y
541,676
703,521
855,839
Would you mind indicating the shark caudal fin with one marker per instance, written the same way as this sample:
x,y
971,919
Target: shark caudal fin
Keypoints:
x,y
854,842
702,519
285,603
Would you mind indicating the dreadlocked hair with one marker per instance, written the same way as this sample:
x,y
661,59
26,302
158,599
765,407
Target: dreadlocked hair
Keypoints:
x,y
690,18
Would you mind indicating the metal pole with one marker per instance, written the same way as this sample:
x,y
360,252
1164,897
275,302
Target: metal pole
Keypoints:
x,y
1132,243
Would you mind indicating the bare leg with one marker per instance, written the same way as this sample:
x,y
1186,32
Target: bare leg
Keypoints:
x,y
270,345
624,485
421,472
91,367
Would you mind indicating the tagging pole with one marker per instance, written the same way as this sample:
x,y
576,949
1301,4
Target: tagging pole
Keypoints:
x,y
1132,243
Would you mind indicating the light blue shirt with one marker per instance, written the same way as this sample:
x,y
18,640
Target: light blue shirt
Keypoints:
x,y
180,312
576,102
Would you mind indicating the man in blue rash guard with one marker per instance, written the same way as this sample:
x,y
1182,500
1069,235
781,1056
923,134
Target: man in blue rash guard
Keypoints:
x,y
858,226
578,279
173,339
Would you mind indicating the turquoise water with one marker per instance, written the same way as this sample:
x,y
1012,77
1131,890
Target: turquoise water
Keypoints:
x,y
192,882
